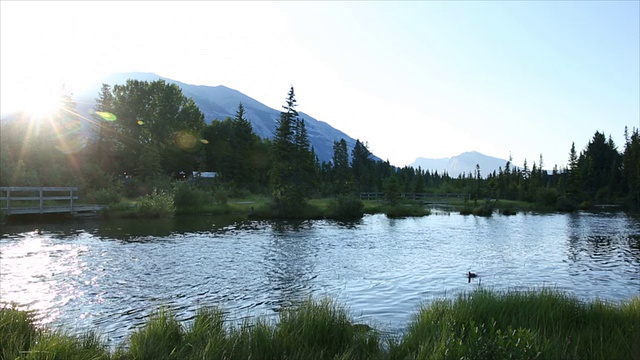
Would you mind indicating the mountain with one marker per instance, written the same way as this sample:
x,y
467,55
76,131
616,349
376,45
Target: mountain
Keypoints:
x,y
220,102
463,163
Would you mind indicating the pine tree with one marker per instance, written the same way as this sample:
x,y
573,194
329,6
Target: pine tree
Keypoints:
x,y
342,178
573,187
292,160
105,143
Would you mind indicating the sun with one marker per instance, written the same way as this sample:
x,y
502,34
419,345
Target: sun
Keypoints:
x,y
41,103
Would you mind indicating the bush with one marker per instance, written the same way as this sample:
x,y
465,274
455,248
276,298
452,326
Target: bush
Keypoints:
x,y
405,210
106,196
547,197
156,204
185,195
133,187
221,195
346,207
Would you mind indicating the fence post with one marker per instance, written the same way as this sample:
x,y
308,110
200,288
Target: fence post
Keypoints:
x,y
41,201
8,201
71,193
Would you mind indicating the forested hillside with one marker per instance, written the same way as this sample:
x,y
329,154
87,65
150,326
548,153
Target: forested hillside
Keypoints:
x,y
148,136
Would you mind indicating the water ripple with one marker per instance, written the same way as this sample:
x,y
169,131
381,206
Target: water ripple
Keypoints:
x,y
110,276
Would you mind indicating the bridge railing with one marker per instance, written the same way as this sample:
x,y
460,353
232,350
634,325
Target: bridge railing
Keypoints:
x,y
414,196
37,199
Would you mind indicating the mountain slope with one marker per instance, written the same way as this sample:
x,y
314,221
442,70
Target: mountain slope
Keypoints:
x,y
463,163
220,102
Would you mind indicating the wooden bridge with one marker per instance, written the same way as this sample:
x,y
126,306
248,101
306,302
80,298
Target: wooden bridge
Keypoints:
x,y
23,200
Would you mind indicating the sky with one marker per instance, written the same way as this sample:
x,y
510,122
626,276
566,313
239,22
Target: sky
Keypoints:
x,y
411,79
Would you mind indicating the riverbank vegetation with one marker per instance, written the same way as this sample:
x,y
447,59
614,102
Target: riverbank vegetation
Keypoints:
x,y
150,153
481,325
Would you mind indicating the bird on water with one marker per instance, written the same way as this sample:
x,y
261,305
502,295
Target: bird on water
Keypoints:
x,y
471,275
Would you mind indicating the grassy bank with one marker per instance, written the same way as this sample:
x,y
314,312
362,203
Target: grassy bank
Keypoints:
x,y
480,325
158,205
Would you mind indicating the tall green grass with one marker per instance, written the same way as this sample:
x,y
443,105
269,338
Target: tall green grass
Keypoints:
x,y
522,325
480,325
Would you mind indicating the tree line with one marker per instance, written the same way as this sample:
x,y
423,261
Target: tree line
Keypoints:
x,y
147,135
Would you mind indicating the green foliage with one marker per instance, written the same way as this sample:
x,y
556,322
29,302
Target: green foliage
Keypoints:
x,y
392,190
294,166
487,341
342,176
18,332
521,325
324,330
160,338
484,209
547,197
481,325
186,195
401,210
103,196
346,207
154,205
61,346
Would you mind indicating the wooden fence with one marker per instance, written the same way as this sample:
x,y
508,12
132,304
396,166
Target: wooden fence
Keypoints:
x,y
415,196
41,200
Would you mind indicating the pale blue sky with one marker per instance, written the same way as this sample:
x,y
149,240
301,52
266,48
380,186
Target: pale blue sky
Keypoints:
x,y
429,79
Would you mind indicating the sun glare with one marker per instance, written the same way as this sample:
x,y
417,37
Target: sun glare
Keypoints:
x,y
41,104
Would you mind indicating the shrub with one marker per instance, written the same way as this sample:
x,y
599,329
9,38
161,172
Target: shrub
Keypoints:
x,y
156,204
346,207
221,195
185,195
485,209
547,197
106,196
404,210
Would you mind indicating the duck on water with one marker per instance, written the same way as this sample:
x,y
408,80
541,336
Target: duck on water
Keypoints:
x,y
471,275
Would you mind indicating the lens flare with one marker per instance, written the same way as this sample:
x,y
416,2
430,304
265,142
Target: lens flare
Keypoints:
x,y
107,115
185,140
72,145
69,137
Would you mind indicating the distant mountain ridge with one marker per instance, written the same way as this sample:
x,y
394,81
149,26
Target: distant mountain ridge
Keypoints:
x,y
463,163
220,102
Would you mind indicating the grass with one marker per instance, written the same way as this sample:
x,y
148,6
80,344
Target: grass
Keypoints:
x,y
480,325
544,324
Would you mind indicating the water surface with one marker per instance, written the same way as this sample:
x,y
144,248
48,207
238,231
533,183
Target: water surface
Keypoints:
x,y
109,275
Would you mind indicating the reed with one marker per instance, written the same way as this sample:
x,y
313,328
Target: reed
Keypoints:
x,y
543,324
17,331
482,324
54,345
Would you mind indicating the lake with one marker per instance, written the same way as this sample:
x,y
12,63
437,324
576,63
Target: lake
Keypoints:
x,y
109,275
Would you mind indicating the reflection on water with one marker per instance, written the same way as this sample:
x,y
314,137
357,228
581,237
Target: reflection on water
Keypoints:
x,y
109,275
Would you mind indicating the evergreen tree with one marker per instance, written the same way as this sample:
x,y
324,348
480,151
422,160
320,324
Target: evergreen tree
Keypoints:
x,y
291,158
573,188
105,144
362,166
342,178
244,143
